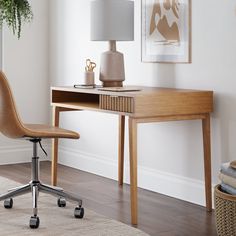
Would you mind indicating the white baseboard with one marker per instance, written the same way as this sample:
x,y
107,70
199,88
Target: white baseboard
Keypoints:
x,y
17,154
180,187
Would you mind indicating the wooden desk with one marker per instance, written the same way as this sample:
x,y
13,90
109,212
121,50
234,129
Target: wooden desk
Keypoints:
x,y
145,106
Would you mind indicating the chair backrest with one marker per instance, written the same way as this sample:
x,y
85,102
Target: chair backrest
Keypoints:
x,y
10,123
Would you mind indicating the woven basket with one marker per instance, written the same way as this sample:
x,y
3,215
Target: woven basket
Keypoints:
x,y
225,211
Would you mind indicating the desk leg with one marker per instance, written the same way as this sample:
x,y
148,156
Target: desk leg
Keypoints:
x,y
133,169
207,160
121,149
55,122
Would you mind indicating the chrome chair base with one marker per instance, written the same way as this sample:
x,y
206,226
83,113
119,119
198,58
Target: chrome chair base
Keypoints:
x,y
35,186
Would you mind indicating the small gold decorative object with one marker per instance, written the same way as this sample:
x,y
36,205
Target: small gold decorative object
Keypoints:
x,y
89,73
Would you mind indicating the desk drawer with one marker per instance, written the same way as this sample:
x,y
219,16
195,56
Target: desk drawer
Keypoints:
x,y
117,103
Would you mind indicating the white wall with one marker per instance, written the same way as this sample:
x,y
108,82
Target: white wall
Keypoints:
x,y
0,48
170,155
25,63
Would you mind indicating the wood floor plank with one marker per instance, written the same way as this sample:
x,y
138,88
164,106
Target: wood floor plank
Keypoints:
x,y
159,215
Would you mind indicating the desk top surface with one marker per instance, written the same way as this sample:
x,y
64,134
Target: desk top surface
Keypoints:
x,y
149,101
144,91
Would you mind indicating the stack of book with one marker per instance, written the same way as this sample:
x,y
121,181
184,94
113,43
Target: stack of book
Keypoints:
x,y
228,177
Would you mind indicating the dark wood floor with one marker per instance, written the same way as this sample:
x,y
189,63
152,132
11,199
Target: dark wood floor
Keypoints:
x,y
159,215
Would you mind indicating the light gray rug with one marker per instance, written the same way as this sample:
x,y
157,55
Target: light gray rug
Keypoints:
x,y
54,220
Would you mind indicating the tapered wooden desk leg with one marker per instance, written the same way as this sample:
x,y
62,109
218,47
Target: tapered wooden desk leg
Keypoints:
x,y
121,149
207,160
133,170
55,122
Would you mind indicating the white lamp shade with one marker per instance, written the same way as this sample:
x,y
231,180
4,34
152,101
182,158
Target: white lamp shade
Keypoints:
x,y
112,20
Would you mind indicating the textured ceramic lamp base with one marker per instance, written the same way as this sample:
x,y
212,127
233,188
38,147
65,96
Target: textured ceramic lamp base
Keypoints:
x,y
112,72
112,84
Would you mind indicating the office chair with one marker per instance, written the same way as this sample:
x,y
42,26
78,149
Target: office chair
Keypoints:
x,y
12,127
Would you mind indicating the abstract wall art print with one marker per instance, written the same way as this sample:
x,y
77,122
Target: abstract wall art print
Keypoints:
x,y
166,31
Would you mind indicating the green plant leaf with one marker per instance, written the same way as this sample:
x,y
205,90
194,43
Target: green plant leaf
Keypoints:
x,y
14,13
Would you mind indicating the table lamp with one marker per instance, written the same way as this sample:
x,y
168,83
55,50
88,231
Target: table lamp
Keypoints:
x,y
112,20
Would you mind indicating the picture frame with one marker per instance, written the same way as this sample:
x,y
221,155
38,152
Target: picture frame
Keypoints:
x,y
166,31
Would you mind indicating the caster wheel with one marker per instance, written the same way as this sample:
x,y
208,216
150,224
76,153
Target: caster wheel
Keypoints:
x,y
34,222
79,212
61,202
8,203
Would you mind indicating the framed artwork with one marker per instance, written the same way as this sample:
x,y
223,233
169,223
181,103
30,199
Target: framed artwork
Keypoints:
x,y
166,31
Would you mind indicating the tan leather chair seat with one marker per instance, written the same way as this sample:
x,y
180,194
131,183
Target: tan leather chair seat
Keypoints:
x,y
46,131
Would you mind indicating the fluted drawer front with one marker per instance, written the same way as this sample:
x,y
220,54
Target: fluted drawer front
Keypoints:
x,y
117,103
